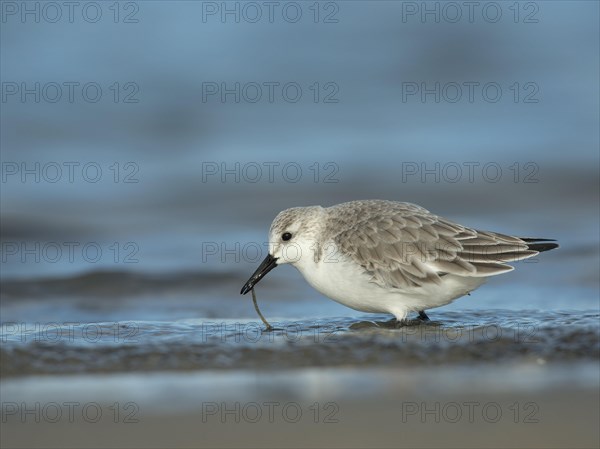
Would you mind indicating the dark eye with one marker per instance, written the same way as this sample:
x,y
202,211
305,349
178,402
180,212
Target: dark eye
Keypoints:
x,y
286,236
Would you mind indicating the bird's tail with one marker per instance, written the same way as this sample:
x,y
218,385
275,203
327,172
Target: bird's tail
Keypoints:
x,y
540,245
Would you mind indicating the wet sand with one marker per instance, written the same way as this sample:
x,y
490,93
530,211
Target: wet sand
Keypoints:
x,y
484,337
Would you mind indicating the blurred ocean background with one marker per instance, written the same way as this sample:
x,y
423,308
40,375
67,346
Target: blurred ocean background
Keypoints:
x,y
137,203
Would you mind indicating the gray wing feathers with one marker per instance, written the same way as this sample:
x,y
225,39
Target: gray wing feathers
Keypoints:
x,y
403,245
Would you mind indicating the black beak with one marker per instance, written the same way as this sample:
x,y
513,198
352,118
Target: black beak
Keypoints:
x,y
267,265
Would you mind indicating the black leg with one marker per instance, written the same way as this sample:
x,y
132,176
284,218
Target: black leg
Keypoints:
x,y
423,316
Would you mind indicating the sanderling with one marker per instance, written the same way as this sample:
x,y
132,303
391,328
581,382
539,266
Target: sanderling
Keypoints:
x,y
389,257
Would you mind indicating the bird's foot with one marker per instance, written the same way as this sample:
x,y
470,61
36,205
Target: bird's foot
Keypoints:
x,y
422,319
423,316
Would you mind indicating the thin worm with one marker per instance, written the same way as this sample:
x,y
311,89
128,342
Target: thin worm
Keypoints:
x,y
269,327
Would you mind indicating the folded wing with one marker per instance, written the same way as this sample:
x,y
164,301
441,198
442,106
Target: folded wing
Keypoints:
x,y
403,245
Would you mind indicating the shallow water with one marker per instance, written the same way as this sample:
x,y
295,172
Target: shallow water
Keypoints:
x,y
490,335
